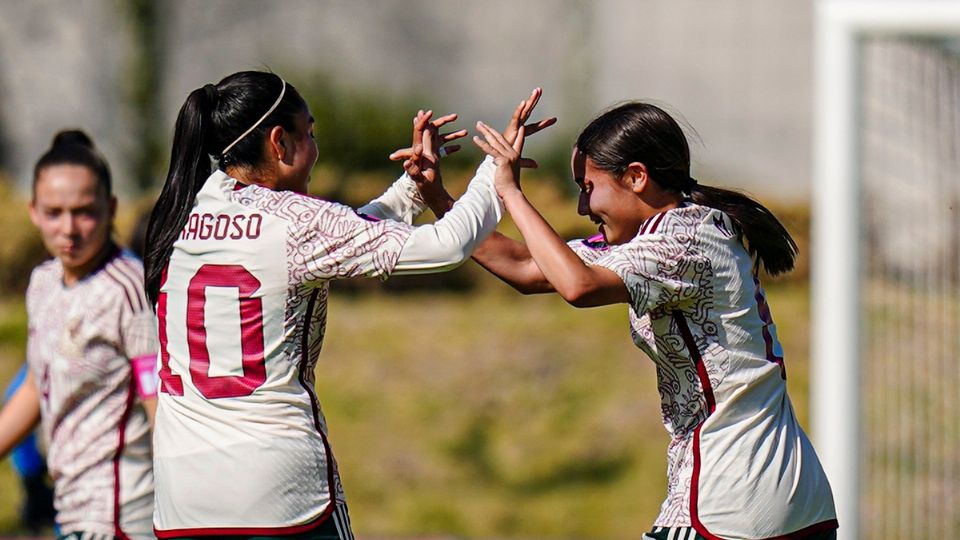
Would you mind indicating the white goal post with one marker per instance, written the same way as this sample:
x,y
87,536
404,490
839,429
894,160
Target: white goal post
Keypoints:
x,y
838,267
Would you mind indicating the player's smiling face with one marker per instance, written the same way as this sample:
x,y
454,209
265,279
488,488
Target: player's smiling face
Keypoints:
x,y
73,214
606,200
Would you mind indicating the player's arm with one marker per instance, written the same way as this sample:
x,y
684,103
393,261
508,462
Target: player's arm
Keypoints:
x,y
146,381
140,344
20,416
502,256
150,407
579,284
445,244
510,260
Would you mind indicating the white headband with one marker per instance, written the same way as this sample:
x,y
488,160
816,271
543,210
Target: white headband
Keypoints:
x,y
283,90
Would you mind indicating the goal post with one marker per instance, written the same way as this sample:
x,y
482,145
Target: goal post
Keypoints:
x,y
841,257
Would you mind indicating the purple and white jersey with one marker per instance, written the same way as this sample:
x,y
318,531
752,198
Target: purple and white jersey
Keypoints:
x,y
241,444
739,465
83,341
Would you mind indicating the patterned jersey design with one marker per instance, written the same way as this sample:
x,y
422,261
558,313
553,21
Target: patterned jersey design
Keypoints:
x,y
81,342
242,317
738,463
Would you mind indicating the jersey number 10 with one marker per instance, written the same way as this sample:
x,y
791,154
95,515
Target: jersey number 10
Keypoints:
x,y
251,335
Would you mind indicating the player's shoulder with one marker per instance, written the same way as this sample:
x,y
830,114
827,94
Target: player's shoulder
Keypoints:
x,y
682,224
256,195
666,239
281,203
120,281
125,261
304,211
44,274
46,269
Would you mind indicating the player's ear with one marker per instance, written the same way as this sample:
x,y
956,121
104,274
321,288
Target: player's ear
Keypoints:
x,y
636,177
34,213
276,145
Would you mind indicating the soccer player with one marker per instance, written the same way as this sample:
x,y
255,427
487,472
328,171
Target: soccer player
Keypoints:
x,y
91,351
238,262
685,258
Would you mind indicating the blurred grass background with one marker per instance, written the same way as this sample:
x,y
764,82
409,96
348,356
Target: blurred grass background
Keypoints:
x,y
458,407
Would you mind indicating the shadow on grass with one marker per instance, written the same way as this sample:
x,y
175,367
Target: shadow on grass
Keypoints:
x,y
473,450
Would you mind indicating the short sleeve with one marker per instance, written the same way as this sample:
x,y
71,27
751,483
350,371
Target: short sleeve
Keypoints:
x,y
138,334
589,249
659,272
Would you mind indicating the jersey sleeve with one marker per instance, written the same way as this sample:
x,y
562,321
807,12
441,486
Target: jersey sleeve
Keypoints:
x,y
333,241
40,281
659,271
445,244
589,249
138,337
400,202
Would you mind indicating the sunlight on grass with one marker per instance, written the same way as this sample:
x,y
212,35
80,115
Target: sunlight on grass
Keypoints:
x,y
487,415
502,415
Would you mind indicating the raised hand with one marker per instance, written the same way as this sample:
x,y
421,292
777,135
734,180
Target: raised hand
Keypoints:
x,y
506,179
428,144
520,115
421,160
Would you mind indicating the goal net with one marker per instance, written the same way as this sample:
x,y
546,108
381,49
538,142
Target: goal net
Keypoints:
x,y
886,384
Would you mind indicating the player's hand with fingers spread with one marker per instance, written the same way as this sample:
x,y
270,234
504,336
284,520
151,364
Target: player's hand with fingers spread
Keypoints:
x,y
520,116
506,180
421,123
438,144
422,158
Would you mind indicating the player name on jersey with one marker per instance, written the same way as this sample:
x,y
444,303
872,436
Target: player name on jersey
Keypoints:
x,y
222,227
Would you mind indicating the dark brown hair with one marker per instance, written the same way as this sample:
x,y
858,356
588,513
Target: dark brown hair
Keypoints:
x,y
212,118
74,147
645,133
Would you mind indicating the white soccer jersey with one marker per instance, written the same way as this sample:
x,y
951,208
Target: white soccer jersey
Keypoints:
x,y
739,465
241,444
82,342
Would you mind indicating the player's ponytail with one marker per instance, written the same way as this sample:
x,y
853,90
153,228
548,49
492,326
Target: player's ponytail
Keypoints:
x,y
223,123
767,239
189,167
645,133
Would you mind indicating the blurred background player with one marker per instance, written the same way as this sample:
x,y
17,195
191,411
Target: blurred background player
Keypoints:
x,y
239,261
686,259
91,351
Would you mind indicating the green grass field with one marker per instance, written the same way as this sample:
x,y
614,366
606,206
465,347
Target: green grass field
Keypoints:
x,y
486,414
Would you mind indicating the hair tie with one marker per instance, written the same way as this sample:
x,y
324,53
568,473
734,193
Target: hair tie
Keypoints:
x,y
212,93
283,90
